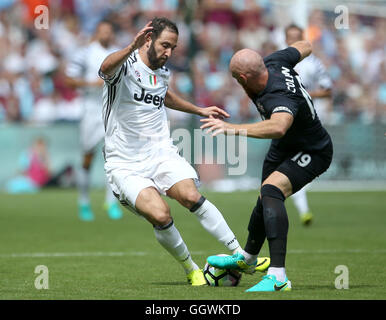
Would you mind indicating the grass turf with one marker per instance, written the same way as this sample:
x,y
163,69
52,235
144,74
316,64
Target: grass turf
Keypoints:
x,y
108,259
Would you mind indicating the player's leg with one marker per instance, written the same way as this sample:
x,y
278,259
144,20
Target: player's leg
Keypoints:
x,y
301,204
275,189
89,138
256,226
256,237
92,133
176,178
140,196
83,183
269,219
111,204
154,209
211,219
96,133
245,260
290,176
150,205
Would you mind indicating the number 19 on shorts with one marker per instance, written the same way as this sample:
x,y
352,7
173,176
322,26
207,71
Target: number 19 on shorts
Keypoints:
x,y
302,159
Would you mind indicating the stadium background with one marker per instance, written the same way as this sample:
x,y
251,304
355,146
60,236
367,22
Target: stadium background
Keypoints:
x,y
34,101
105,259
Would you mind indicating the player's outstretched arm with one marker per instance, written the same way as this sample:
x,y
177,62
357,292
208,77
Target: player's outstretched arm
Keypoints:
x,y
81,83
175,102
304,47
274,128
115,60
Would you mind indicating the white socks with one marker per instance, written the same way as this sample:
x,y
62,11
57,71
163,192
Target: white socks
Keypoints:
x,y
213,222
249,258
300,201
169,237
279,273
83,185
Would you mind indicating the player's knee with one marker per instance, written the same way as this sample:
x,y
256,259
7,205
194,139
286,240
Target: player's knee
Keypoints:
x,y
275,215
269,190
161,216
189,198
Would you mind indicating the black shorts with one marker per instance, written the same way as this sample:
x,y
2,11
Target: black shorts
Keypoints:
x,y
300,167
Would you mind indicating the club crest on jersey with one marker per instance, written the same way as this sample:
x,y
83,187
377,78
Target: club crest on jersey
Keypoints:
x,y
153,80
138,75
260,107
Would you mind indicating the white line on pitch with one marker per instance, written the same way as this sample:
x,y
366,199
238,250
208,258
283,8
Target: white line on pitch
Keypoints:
x,y
143,253
71,254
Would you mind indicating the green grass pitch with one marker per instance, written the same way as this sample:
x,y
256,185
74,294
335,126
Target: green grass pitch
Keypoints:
x,y
108,259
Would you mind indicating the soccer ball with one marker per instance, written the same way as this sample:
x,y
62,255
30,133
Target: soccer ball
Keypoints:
x,y
216,277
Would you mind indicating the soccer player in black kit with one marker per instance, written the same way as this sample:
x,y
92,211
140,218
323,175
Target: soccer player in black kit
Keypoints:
x,y
300,151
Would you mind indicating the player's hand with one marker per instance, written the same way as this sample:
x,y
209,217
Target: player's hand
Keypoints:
x,y
214,112
140,38
217,126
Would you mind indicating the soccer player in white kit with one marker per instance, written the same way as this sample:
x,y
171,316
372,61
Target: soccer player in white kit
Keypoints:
x,y
141,161
318,84
82,72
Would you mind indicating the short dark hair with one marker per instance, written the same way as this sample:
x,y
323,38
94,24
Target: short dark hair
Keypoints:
x,y
293,26
160,24
105,22
108,22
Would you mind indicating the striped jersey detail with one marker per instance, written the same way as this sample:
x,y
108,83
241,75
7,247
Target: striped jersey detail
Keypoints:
x,y
112,92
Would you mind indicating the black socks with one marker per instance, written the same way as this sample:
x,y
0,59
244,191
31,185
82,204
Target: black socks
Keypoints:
x,y
269,219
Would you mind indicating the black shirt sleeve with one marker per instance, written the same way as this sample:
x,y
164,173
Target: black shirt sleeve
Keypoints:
x,y
287,57
281,104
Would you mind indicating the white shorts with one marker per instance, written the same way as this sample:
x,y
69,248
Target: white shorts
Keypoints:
x,y
161,171
91,130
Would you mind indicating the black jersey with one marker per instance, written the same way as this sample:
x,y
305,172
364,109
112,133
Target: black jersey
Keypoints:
x,y
284,92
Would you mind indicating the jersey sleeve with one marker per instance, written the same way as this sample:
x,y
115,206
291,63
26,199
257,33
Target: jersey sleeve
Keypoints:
x,y
76,66
287,57
119,73
282,104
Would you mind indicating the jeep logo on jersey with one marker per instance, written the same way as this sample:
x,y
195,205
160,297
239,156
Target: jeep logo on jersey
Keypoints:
x,y
148,98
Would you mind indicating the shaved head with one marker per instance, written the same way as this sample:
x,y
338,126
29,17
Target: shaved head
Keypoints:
x,y
248,68
246,61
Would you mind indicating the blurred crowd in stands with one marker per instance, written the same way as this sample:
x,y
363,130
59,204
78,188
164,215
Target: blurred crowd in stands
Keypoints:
x,y
32,61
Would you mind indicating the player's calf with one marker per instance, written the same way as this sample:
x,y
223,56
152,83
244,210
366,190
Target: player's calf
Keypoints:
x,y
213,221
276,227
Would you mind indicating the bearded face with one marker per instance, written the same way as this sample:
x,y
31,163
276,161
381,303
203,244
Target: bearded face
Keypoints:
x,y
161,49
155,60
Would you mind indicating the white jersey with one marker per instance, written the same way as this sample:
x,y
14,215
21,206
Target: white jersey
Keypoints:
x,y
313,73
314,76
85,65
133,112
